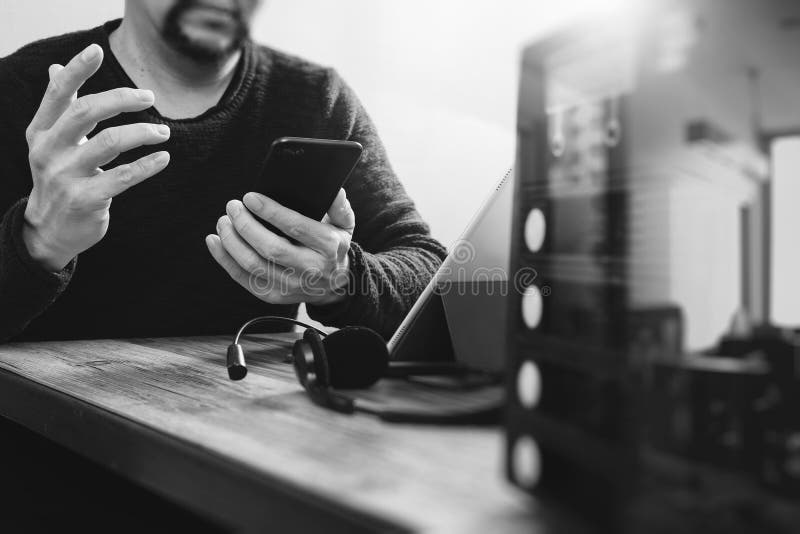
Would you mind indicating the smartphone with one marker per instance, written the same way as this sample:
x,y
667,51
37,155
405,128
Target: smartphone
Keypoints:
x,y
305,174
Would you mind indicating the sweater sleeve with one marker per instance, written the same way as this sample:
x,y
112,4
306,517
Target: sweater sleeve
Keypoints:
x,y
392,256
26,288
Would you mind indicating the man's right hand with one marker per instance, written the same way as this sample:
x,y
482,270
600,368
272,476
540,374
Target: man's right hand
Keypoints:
x,y
68,208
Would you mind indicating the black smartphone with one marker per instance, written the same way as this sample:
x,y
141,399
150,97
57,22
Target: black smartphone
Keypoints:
x,y
305,174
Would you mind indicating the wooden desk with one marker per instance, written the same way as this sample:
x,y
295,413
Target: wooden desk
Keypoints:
x,y
255,454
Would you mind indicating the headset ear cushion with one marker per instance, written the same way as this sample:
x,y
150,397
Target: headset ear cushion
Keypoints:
x,y
321,366
357,357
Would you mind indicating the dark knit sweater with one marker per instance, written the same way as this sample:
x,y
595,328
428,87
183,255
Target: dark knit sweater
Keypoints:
x,y
152,274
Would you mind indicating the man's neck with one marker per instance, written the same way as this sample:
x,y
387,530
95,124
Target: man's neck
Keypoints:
x,y
183,87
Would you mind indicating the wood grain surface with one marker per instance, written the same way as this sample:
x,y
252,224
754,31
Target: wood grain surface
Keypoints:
x,y
420,478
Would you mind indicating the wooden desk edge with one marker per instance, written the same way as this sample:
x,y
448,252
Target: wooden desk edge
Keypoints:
x,y
199,479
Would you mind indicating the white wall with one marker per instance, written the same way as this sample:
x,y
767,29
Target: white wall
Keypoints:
x,y
438,77
785,256
23,21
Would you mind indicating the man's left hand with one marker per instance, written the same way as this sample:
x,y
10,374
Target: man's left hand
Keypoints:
x,y
270,266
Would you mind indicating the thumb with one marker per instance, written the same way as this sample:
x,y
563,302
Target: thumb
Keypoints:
x,y
340,214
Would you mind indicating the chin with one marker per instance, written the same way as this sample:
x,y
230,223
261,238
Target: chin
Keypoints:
x,y
204,35
206,46
213,43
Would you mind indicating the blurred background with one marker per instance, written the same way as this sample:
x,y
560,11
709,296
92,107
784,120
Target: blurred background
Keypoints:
x,y
438,78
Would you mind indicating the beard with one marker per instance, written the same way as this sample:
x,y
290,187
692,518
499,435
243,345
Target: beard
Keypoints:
x,y
200,50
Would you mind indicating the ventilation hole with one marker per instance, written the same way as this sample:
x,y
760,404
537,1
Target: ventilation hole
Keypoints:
x,y
535,227
532,307
529,385
526,462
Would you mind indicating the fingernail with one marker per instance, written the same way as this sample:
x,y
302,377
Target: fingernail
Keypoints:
x,y
90,53
147,96
161,158
234,208
253,201
209,241
162,129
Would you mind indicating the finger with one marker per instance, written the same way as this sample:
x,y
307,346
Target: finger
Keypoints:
x,y
112,142
84,114
266,292
341,214
245,255
234,270
111,183
64,83
54,69
268,244
313,234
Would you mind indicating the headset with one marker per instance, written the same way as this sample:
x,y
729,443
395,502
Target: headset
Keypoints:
x,y
356,357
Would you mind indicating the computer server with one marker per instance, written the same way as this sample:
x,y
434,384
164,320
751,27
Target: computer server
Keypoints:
x,y
645,388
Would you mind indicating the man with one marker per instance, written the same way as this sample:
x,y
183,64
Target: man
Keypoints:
x,y
169,113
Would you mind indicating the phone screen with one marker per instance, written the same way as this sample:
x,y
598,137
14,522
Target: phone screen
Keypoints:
x,y
305,174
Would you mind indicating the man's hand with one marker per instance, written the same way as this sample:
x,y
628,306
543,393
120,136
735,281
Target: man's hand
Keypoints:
x,y
68,208
270,266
